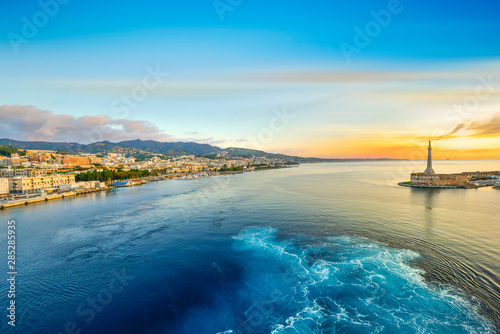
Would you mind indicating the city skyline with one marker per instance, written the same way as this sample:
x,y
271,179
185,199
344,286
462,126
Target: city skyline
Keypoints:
x,y
374,82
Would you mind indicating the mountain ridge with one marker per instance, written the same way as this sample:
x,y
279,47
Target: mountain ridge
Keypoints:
x,y
139,146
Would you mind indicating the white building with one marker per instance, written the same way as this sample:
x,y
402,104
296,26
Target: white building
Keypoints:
x,y
5,162
4,187
84,185
30,185
11,173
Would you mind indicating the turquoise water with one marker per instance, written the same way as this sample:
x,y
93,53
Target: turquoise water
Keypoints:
x,y
326,248
346,284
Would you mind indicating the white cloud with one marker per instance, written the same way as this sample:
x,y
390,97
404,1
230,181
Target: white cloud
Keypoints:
x,y
32,123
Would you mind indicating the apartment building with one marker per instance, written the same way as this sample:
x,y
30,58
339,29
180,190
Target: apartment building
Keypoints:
x,y
30,185
11,173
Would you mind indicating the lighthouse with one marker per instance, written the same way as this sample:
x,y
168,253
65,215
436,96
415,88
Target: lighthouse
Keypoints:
x,y
429,169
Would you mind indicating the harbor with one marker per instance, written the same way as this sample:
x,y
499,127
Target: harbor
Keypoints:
x,y
464,180
37,198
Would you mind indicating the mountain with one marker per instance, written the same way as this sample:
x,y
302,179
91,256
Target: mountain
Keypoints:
x,y
40,145
173,148
134,147
145,148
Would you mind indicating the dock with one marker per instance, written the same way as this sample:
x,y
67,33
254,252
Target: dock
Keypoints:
x,y
41,199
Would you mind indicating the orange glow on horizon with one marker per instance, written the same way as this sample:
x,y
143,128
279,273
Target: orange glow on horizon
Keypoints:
x,y
373,148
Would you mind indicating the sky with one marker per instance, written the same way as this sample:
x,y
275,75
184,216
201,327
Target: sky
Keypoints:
x,y
331,79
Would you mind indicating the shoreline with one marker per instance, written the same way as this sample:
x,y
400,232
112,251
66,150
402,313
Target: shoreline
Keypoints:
x,y
398,241
43,199
4,205
409,185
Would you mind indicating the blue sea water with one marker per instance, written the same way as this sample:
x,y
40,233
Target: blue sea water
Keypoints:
x,y
343,284
327,248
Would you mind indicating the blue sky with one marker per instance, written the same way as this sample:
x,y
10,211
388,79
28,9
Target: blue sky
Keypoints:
x,y
230,71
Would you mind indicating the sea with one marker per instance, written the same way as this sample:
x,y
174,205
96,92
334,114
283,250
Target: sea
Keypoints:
x,y
319,248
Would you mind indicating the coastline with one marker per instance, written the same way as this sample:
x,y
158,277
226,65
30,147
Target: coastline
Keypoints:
x,y
43,199
394,239
4,205
409,185
471,186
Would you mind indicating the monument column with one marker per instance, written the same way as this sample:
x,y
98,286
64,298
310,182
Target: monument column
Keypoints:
x,y
429,169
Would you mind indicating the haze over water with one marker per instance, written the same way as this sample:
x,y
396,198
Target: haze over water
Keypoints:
x,y
317,249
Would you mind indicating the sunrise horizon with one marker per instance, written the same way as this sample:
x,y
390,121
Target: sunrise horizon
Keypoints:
x,y
323,83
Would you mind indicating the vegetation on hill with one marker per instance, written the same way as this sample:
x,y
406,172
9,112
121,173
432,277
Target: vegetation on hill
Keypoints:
x,y
8,150
143,149
63,152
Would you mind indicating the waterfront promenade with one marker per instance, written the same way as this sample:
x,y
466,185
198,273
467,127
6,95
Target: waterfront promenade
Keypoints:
x,y
6,204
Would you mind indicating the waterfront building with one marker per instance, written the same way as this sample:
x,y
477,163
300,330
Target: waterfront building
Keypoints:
x,y
459,180
4,187
481,175
430,178
85,185
30,185
439,180
11,173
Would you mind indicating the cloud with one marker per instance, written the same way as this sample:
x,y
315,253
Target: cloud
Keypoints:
x,y
337,76
205,140
449,135
489,128
32,123
216,142
190,133
476,129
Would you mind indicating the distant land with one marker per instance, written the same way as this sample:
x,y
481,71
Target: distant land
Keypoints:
x,y
139,147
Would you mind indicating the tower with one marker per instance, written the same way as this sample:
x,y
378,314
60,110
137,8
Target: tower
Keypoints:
x,y
429,169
